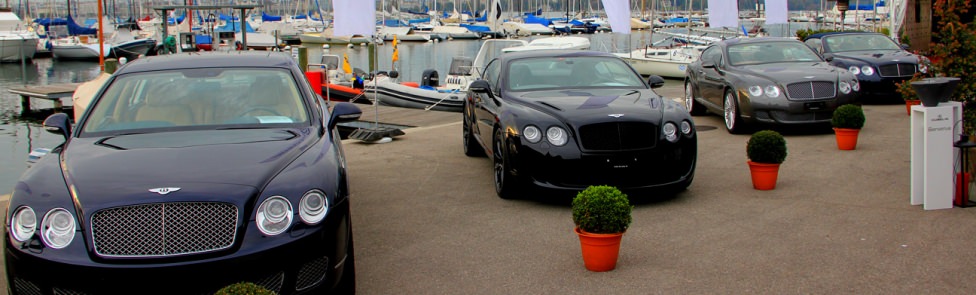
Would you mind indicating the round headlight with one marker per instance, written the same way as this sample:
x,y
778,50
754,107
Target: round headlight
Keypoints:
x,y
856,86
854,70
57,228
844,87
923,68
532,134
772,91
557,136
755,90
670,132
685,127
23,223
867,70
274,215
313,207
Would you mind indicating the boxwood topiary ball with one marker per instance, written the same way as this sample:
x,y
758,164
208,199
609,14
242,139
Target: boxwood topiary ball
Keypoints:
x,y
602,209
766,146
848,116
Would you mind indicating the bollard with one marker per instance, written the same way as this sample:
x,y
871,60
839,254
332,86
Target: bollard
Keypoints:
x,y
111,65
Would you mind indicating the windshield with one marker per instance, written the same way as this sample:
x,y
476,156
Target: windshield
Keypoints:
x,y
770,52
198,99
561,72
857,42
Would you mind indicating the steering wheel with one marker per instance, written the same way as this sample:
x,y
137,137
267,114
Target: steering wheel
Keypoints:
x,y
258,110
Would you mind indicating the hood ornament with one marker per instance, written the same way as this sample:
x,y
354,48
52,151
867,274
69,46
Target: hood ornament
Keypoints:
x,y
616,115
164,190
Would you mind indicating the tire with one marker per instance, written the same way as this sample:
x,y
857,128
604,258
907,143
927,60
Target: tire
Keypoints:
x,y
505,183
471,146
694,107
732,115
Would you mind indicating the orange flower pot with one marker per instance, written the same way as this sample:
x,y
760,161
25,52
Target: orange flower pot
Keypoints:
x,y
600,251
846,138
909,103
763,175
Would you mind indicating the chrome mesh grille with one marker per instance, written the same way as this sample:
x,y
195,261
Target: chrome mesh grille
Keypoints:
x,y
59,291
811,90
22,286
612,136
312,273
272,283
897,70
164,229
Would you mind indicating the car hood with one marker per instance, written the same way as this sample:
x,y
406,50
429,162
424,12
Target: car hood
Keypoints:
x,y
594,105
795,71
879,57
204,165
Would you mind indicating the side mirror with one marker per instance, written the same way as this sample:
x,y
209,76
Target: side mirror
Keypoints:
x,y
58,124
480,86
904,46
828,57
708,64
655,81
344,112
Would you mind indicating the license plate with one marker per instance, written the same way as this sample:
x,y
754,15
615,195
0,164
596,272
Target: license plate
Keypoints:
x,y
814,106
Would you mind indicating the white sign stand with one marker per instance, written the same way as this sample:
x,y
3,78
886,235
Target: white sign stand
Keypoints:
x,y
932,154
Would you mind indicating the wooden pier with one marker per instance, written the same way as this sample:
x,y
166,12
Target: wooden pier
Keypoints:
x,y
53,92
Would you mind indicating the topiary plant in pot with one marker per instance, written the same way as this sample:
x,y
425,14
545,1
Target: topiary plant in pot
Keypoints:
x,y
244,288
766,150
602,215
848,120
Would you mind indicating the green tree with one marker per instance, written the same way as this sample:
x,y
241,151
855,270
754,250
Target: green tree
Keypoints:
x,y
953,54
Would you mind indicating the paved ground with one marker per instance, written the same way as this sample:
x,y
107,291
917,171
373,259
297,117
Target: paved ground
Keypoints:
x,y
427,221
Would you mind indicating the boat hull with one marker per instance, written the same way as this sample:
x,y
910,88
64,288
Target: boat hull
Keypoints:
x,y
13,48
133,49
399,95
663,68
77,51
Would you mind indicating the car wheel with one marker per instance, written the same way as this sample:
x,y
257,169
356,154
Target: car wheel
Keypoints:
x,y
733,120
505,182
471,146
694,107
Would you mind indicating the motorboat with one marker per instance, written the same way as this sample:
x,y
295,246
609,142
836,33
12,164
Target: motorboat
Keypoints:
x,y
664,62
16,41
558,42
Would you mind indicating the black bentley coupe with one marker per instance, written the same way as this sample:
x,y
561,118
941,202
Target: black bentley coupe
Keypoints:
x,y
564,120
877,61
768,80
188,173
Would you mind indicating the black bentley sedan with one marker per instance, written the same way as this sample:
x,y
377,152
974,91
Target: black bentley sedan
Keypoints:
x,y
188,173
769,80
877,61
564,120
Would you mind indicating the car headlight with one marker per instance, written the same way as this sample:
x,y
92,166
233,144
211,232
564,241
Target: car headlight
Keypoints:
x,y
532,134
855,85
854,70
557,136
867,70
844,87
755,90
58,228
685,127
313,207
670,132
923,68
274,215
23,223
772,91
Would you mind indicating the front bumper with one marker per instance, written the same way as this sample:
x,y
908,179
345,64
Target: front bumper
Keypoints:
x,y
783,111
665,167
876,88
308,265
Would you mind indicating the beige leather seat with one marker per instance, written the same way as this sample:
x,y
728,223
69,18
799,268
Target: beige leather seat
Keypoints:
x,y
162,106
269,96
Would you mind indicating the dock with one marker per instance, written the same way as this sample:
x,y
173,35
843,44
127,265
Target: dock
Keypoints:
x,y
54,92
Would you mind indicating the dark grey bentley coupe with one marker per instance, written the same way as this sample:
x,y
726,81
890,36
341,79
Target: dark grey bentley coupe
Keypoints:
x,y
769,80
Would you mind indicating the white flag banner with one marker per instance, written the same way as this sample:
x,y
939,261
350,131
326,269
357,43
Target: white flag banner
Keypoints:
x,y
723,13
352,17
777,12
618,12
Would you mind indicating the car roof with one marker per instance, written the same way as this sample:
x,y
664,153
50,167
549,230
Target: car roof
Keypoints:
x,y
260,59
756,40
551,53
821,35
